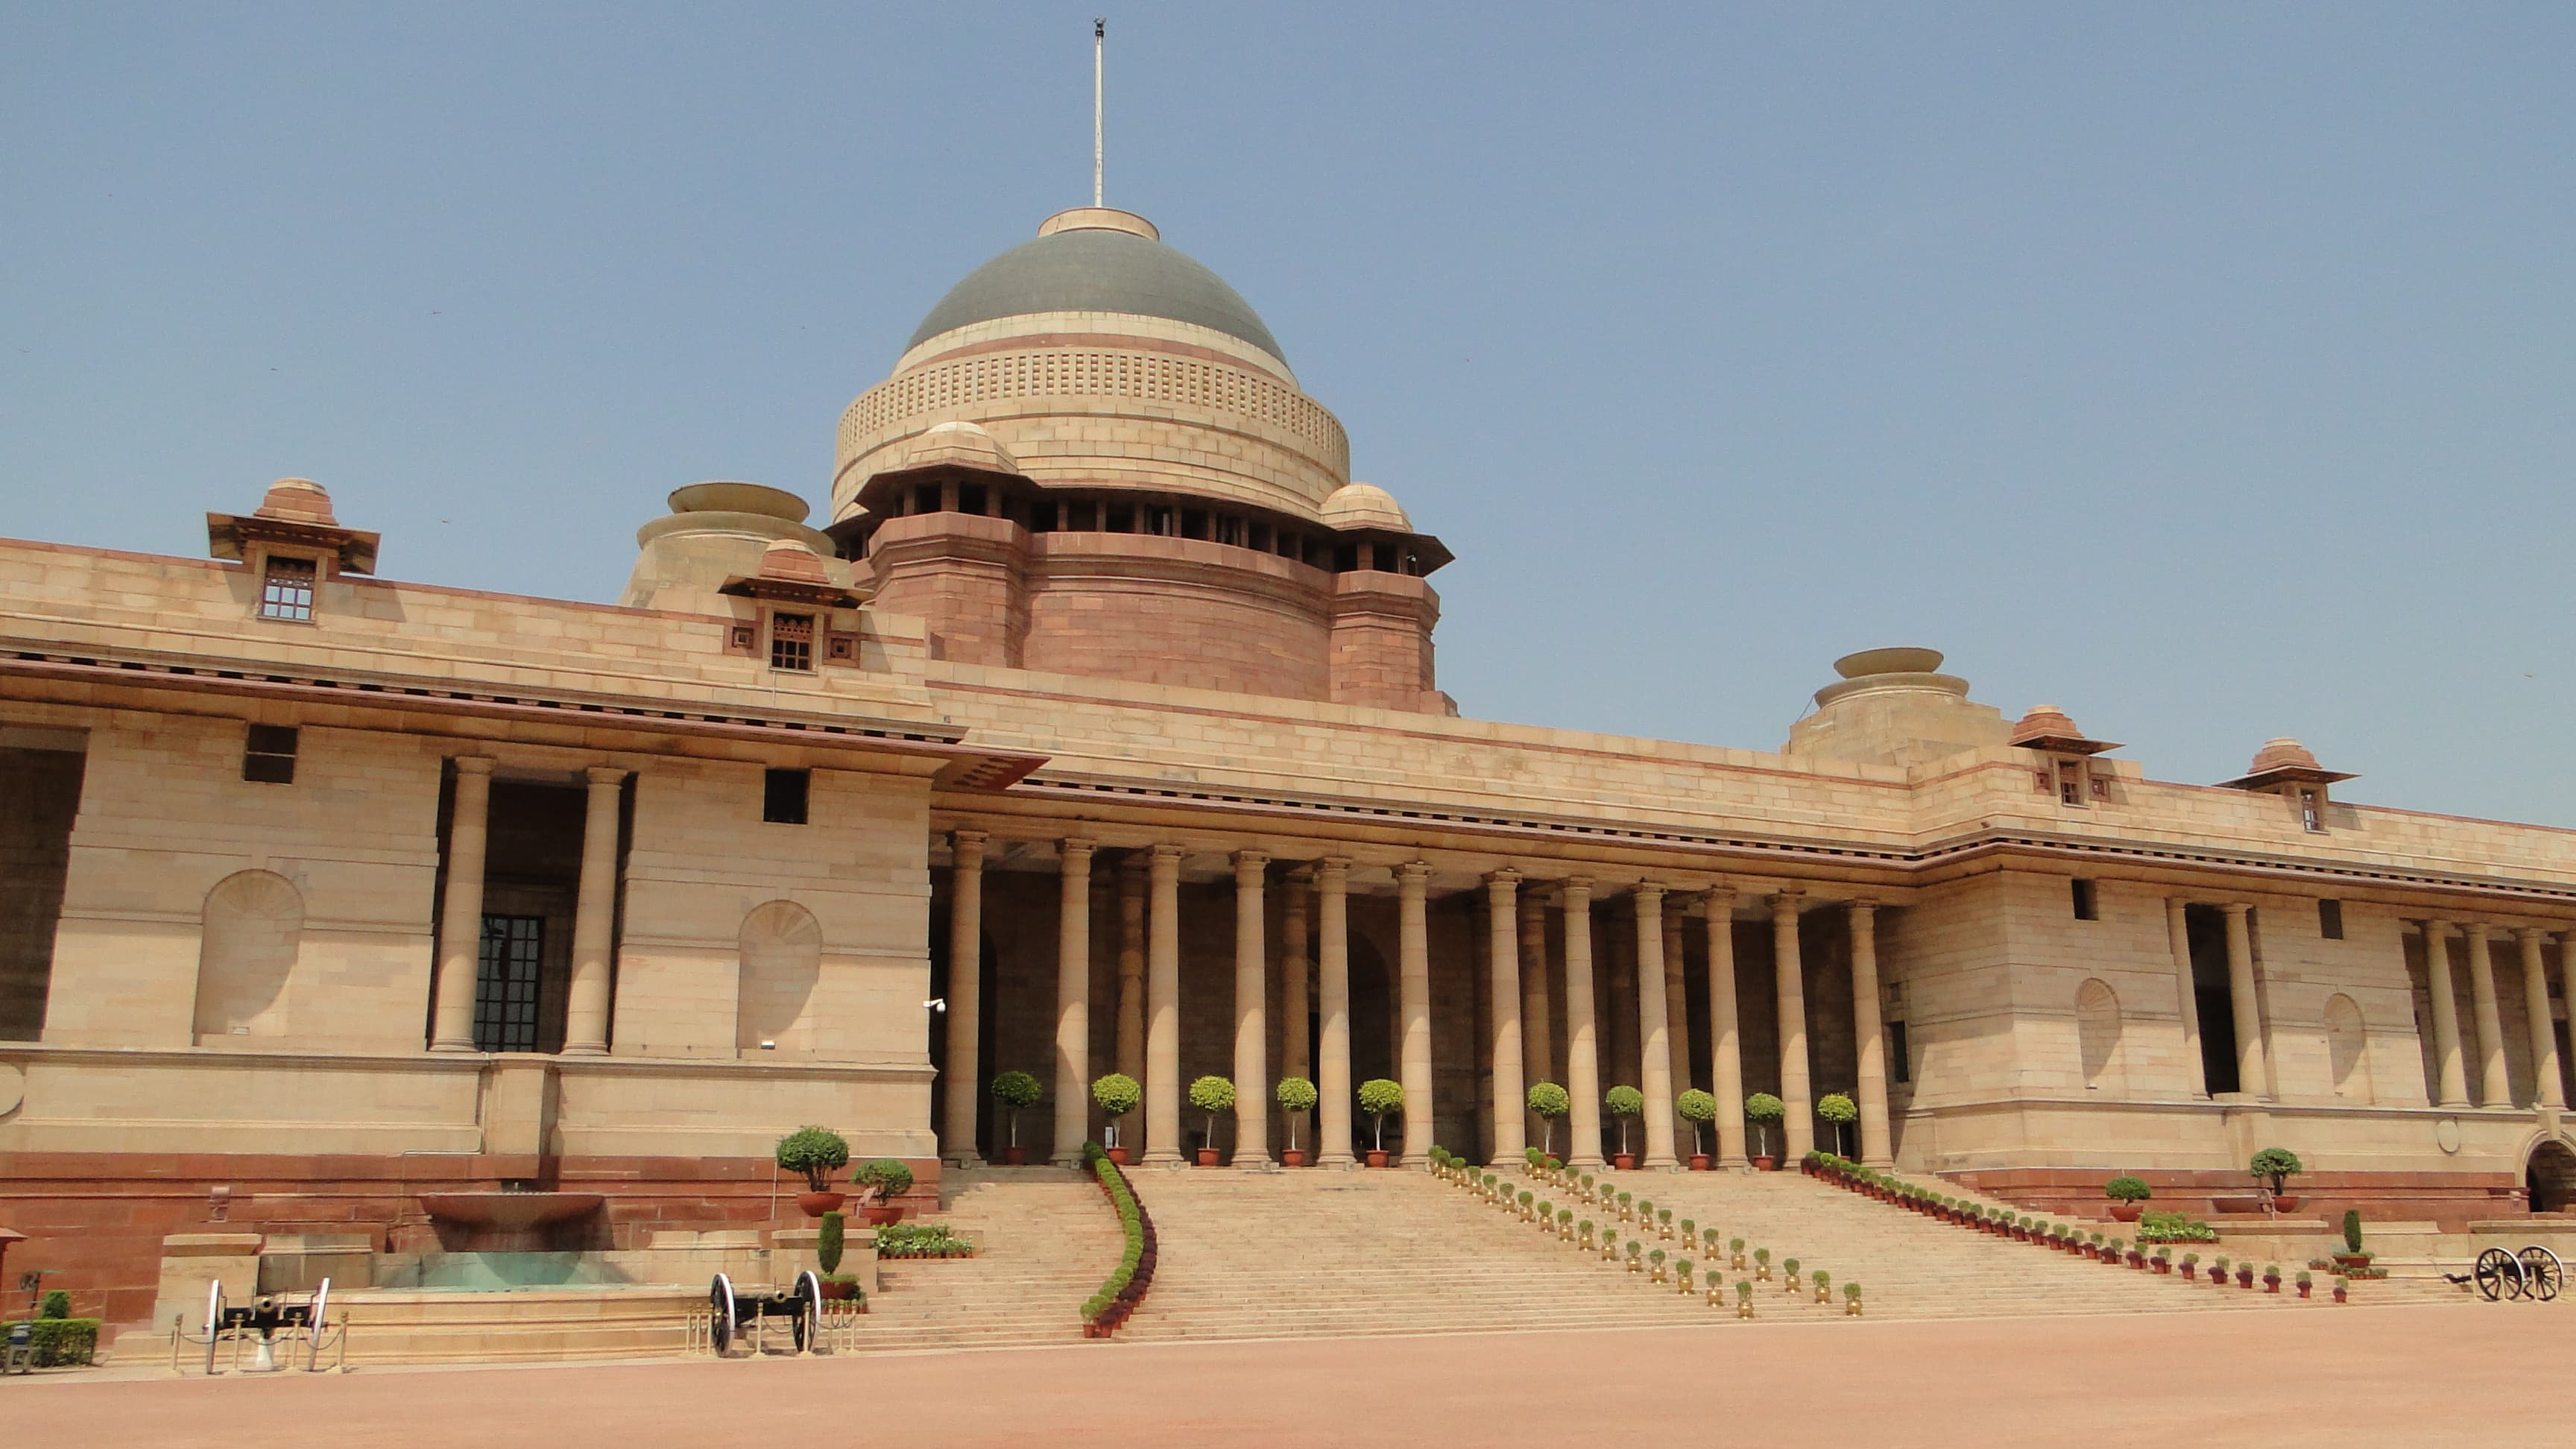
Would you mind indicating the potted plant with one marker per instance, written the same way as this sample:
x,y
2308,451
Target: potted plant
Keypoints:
x,y
2190,1267
2352,1255
1837,1108
2272,1278
1295,1096
1851,1300
2275,1166
2245,1276
1699,1109
1013,1092
1116,1094
1824,1282
1762,1264
1735,1254
1549,1103
2340,1286
881,1180
1762,1109
1743,1299
2218,1271
1626,1104
1789,1276
2162,1264
1682,1274
1211,1095
815,1153
2306,1282
1636,1256
1656,1260
2127,1193
1380,1099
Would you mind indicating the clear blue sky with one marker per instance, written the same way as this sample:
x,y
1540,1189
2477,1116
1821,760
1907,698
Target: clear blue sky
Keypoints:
x,y
2204,370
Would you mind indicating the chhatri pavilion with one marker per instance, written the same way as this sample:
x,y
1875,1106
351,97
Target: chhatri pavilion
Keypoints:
x,y
1095,728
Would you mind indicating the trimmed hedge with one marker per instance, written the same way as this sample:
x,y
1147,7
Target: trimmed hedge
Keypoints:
x,y
1125,1286
59,1342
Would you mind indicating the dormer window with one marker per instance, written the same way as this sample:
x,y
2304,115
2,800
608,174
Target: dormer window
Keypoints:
x,y
791,642
2312,809
286,588
2070,783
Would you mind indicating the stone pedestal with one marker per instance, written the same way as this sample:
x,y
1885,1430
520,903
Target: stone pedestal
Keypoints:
x,y
190,1263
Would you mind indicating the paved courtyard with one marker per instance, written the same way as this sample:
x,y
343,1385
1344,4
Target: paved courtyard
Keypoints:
x,y
2397,1376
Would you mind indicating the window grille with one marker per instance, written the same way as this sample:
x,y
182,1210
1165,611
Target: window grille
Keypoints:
x,y
286,590
505,988
791,641
268,755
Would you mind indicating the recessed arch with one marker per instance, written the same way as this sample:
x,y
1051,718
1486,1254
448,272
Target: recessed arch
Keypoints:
x,y
253,925
781,958
2097,1034
2348,1050
2550,1174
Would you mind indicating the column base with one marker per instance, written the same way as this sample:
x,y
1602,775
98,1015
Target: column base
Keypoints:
x,y
1662,1164
1345,1160
1254,1162
1592,1161
1065,1159
963,1160
1160,1159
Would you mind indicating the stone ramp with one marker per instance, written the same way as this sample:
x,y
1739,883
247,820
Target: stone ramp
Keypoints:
x,y
1315,1253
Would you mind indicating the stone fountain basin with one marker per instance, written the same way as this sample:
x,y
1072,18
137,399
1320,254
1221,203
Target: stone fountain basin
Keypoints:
x,y
509,1212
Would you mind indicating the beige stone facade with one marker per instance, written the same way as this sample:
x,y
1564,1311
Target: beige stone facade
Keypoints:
x,y
1099,730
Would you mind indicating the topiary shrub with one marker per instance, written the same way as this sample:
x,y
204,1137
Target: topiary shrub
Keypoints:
x,y
828,1244
1014,1092
1625,1103
1762,1109
1699,1109
2276,1165
2126,1188
1839,1109
2352,1231
882,1179
1116,1094
815,1153
1295,1095
1380,1099
1212,1095
1550,1102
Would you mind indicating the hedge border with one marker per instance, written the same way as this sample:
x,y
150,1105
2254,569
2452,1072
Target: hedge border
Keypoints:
x,y
1125,1286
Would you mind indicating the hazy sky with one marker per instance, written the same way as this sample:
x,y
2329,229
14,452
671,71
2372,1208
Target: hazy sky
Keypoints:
x,y
2208,371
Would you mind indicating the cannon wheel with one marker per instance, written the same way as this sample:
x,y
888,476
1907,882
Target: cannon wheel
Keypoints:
x,y
2498,1275
809,1311
314,1325
214,1320
2541,1274
721,1325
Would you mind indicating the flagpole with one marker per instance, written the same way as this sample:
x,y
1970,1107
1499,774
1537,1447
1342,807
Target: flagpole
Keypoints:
x,y
1099,39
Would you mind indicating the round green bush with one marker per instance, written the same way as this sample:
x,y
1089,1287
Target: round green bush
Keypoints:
x,y
1212,1094
2126,1188
1696,1106
1296,1094
2278,1164
1624,1101
1549,1100
1763,1107
815,1152
1016,1089
887,1177
1117,1093
1836,1107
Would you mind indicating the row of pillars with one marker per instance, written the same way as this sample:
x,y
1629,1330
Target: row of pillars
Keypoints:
x,y
1148,1021
460,922
2495,1089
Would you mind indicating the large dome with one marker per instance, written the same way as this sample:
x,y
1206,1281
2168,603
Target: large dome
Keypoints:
x,y
1096,259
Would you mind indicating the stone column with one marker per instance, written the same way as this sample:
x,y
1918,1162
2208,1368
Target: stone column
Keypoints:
x,y
1073,1003
1511,1106
2495,1089
1251,1013
2548,1090
1163,1009
1131,966
1413,984
1654,1027
1676,1005
2251,1077
1333,1085
1875,1149
460,920
1725,1042
594,921
2187,996
2453,1076
1295,1058
965,996
1538,1064
1582,1058
1798,1126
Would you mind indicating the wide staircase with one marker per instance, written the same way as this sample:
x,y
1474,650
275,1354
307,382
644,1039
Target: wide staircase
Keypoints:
x,y
1910,1266
1045,1237
1314,1253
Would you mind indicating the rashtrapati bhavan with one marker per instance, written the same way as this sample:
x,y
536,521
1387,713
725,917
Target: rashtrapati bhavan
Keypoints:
x,y
1096,729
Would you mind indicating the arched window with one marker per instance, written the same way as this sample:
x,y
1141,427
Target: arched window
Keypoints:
x,y
782,955
2347,1049
2097,1034
253,922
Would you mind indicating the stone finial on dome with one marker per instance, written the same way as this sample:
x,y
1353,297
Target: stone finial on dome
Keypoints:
x,y
1100,218
300,500
2282,753
2047,727
1365,505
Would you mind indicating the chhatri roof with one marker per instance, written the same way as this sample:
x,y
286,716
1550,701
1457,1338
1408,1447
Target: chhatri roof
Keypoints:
x,y
1097,259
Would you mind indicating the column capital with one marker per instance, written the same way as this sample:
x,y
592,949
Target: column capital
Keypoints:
x,y
1335,869
1076,847
472,764
1785,904
1862,909
2479,930
1720,897
1172,853
2529,933
968,843
2238,908
2435,928
605,775
1647,891
1413,872
1507,876
1248,866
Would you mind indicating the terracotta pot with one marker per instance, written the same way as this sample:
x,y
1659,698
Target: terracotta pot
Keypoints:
x,y
2271,1284
2303,1289
878,1214
1699,1162
1118,1155
1292,1156
2165,1267
1015,1157
2125,1212
1207,1157
838,1292
815,1204
2191,1272
2352,1260
1376,1157
1760,1164
2338,1293
2286,1204
2245,1278
1624,1161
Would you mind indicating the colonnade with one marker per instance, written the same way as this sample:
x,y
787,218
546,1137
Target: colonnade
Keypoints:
x,y
460,923
1519,1028
2495,1087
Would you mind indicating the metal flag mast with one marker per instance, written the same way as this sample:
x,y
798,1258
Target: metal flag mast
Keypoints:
x,y
1099,39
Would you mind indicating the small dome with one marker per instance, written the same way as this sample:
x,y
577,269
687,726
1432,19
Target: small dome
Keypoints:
x,y
1097,259
958,444
789,558
299,499
1365,505
2045,722
1888,661
2282,754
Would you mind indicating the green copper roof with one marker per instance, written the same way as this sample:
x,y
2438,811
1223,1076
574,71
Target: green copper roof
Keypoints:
x,y
1096,270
